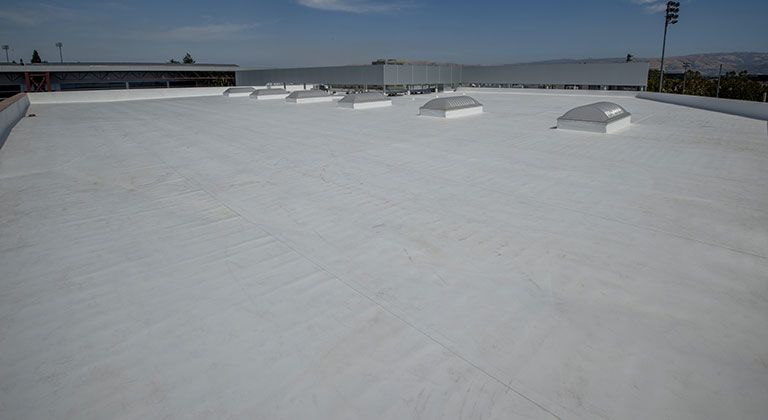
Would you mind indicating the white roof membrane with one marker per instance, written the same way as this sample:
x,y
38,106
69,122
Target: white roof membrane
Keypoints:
x,y
214,258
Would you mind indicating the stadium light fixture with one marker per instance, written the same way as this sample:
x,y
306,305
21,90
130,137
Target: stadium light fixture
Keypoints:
x,y
670,18
61,57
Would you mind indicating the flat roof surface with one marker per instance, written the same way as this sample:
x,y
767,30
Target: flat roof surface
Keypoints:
x,y
223,257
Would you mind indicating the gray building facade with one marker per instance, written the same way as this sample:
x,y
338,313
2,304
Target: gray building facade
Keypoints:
x,y
45,77
592,75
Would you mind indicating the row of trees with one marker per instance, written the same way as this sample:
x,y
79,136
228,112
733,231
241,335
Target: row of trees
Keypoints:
x,y
732,85
186,60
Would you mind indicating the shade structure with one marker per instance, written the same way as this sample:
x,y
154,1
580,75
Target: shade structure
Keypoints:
x,y
262,94
239,91
451,107
599,117
365,100
309,96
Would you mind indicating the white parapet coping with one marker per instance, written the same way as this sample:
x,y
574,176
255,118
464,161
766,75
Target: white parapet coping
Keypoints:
x,y
595,127
453,113
121,95
748,109
12,110
366,105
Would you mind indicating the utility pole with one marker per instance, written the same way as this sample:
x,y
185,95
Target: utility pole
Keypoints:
x,y
719,73
61,57
670,18
6,47
686,66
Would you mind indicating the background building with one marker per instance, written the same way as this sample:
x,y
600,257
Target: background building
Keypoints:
x,y
15,78
417,77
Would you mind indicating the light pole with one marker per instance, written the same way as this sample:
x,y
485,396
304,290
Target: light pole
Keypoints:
x,y
719,73
5,47
61,57
686,66
670,18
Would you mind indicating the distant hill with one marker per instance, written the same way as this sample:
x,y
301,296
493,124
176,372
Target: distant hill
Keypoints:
x,y
753,62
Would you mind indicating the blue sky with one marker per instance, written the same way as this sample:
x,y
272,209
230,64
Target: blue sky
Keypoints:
x,y
325,32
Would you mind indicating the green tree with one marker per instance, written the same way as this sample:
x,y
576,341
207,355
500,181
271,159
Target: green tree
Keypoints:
x,y
173,61
698,85
732,85
740,86
36,57
188,59
670,83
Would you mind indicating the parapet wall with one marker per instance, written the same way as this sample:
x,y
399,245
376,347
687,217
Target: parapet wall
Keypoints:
x,y
749,109
131,94
121,95
12,110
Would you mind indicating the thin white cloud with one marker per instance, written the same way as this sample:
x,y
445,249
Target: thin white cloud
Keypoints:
x,y
651,6
37,14
209,32
353,6
20,18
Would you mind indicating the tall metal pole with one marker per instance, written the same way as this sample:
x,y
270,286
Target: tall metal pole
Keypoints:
x,y
663,50
685,75
61,57
719,73
670,18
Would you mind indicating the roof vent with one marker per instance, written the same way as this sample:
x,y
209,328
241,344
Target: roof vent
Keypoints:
x,y
308,96
365,100
239,91
451,107
600,117
269,94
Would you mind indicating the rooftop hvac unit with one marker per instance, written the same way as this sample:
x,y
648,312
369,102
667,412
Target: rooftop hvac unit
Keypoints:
x,y
309,96
599,117
269,94
451,107
365,100
239,91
